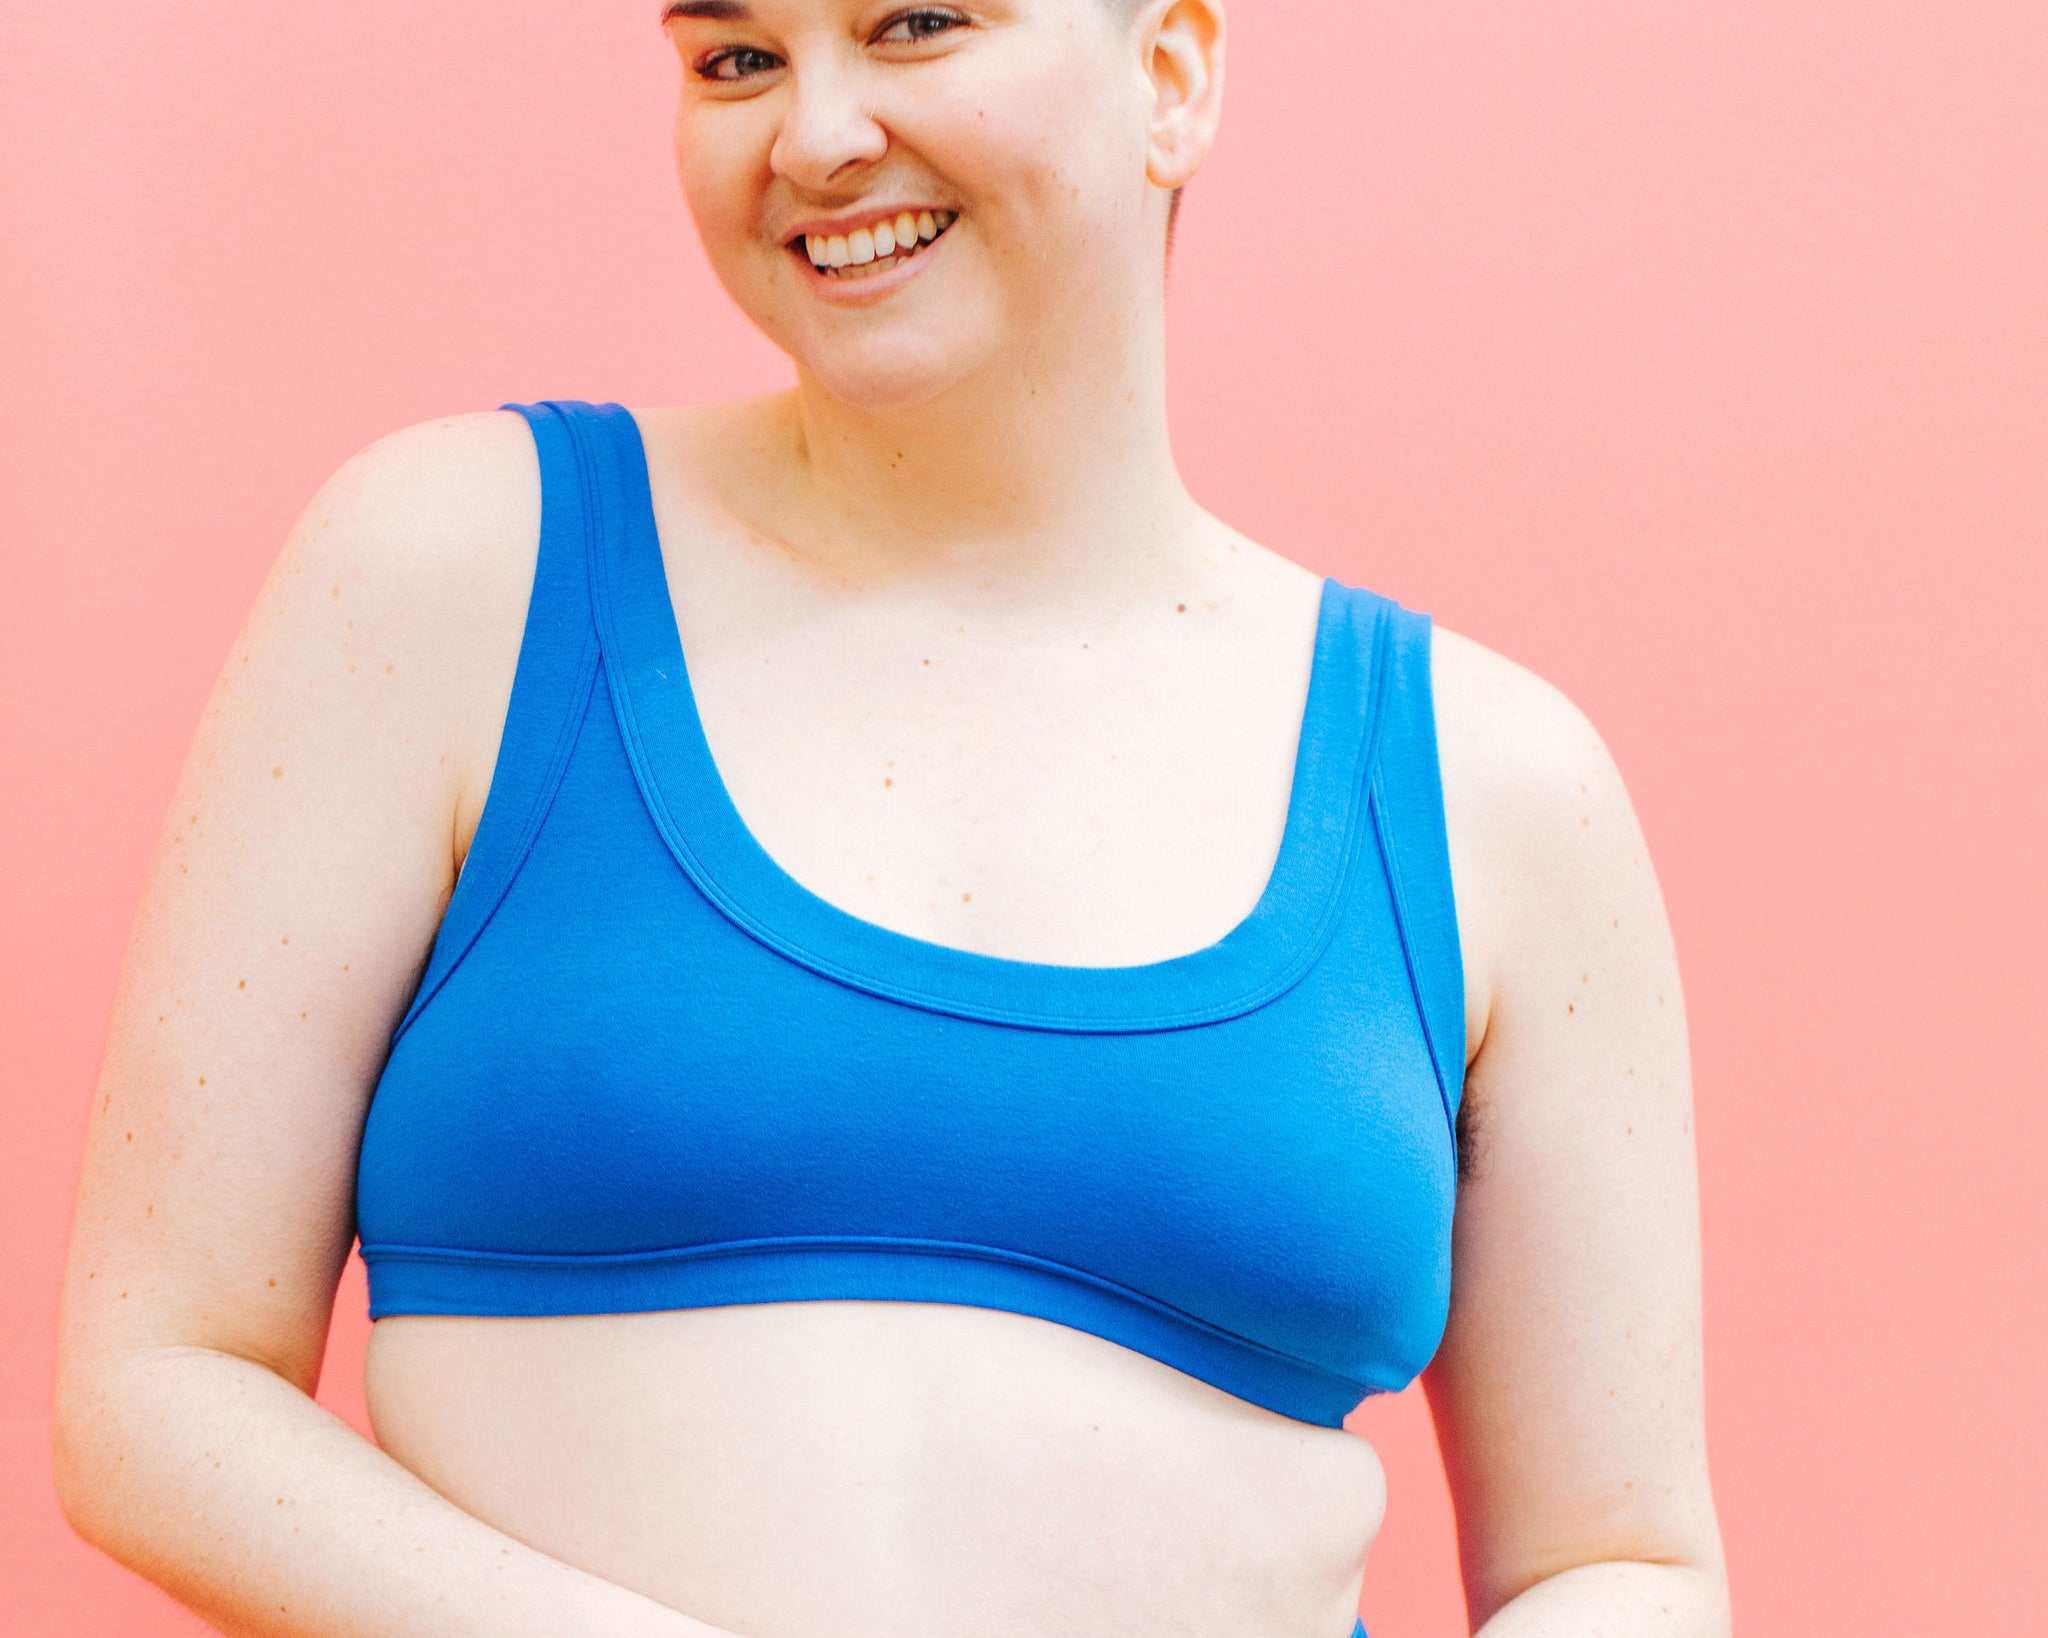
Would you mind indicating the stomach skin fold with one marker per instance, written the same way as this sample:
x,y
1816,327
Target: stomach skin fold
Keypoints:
x,y
884,1470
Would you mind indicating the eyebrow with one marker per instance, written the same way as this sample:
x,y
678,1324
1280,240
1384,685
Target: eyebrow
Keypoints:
x,y
724,11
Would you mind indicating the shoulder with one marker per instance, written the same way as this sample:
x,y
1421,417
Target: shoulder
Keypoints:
x,y
430,534
1517,745
1541,826
427,499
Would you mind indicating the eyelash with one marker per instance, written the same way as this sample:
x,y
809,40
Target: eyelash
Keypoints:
x,y
707,65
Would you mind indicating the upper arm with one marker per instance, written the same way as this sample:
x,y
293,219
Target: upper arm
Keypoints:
x,y
292,897
1567,1391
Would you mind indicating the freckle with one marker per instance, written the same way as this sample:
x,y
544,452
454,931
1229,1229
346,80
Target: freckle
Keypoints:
x,y
387,671
1585,978
1615,923
964,897
1568,1007
1630,1130
280,1502
927,662
131,1137
302,1015
351,671
333,591
1084,645
1585,821
351,625
344,966
1180,608
241,983
888,781
273,1282
202,1080
149,1209
277,772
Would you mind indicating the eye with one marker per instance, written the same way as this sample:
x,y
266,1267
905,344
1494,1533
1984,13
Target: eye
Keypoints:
x,y
923,24
708,65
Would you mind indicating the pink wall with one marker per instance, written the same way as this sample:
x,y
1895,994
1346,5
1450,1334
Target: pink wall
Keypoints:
x,y
1693,356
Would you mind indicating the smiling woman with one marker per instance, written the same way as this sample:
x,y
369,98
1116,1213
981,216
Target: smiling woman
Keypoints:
x,y
913,1002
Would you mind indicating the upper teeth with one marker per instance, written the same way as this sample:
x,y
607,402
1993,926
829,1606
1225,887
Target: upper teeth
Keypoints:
x,y
883,238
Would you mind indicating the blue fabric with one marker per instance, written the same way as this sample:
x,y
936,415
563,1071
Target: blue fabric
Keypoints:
x,y
644,1068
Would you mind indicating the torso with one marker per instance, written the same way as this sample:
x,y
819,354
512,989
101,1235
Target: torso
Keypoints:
x,y
910,1468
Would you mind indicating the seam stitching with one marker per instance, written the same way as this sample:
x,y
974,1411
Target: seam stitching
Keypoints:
x,y
574,706
1390,856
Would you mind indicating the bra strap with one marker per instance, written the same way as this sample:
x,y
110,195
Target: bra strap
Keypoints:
x,y
558,655
1406,795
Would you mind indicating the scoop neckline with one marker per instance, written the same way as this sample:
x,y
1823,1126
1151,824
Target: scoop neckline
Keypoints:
x,y
1259,958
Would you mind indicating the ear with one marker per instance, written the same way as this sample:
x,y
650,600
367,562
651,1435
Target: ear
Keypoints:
x,y
1183,49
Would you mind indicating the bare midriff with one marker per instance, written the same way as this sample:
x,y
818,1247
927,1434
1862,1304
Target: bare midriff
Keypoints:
x,y
884,1470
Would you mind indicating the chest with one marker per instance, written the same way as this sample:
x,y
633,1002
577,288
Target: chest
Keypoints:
x,y
649,1087
1041,790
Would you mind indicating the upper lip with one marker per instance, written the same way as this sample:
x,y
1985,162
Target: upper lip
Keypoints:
x,y
824,227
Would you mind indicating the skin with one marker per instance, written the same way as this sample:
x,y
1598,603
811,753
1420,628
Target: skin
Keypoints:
x,y
972,471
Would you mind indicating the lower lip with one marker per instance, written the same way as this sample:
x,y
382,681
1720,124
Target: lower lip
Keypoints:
x,y
870,286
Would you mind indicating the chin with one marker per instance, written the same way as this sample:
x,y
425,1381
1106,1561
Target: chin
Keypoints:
x,y
887,376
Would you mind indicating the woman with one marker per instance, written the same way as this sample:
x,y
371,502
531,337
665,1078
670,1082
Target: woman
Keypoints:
x,y
924,1119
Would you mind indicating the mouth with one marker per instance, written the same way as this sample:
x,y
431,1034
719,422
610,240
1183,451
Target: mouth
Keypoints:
x,y
887,243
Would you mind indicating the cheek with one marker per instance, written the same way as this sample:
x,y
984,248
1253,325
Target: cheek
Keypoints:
x,y
1032,130
717,163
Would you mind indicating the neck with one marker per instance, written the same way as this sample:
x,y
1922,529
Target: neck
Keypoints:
x,y
1009,475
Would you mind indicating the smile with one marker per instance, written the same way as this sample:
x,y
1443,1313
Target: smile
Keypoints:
x,y
887,243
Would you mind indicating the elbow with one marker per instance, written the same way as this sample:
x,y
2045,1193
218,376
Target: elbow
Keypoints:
x,y
84,1458
103,1413
79,1485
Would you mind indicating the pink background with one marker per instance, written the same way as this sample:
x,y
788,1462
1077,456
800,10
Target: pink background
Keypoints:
x,y
1694,356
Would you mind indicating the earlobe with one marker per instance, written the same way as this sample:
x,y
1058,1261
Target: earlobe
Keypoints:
x,y
1185,64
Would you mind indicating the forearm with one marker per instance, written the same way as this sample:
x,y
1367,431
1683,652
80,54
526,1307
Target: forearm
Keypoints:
x,y
1618,1599
256,1508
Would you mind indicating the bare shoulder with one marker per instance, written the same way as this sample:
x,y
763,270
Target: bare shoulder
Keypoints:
x,y
1536,809
1517,746
435,528
432,511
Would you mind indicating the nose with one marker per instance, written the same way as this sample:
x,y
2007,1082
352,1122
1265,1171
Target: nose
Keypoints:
x,y
826,130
